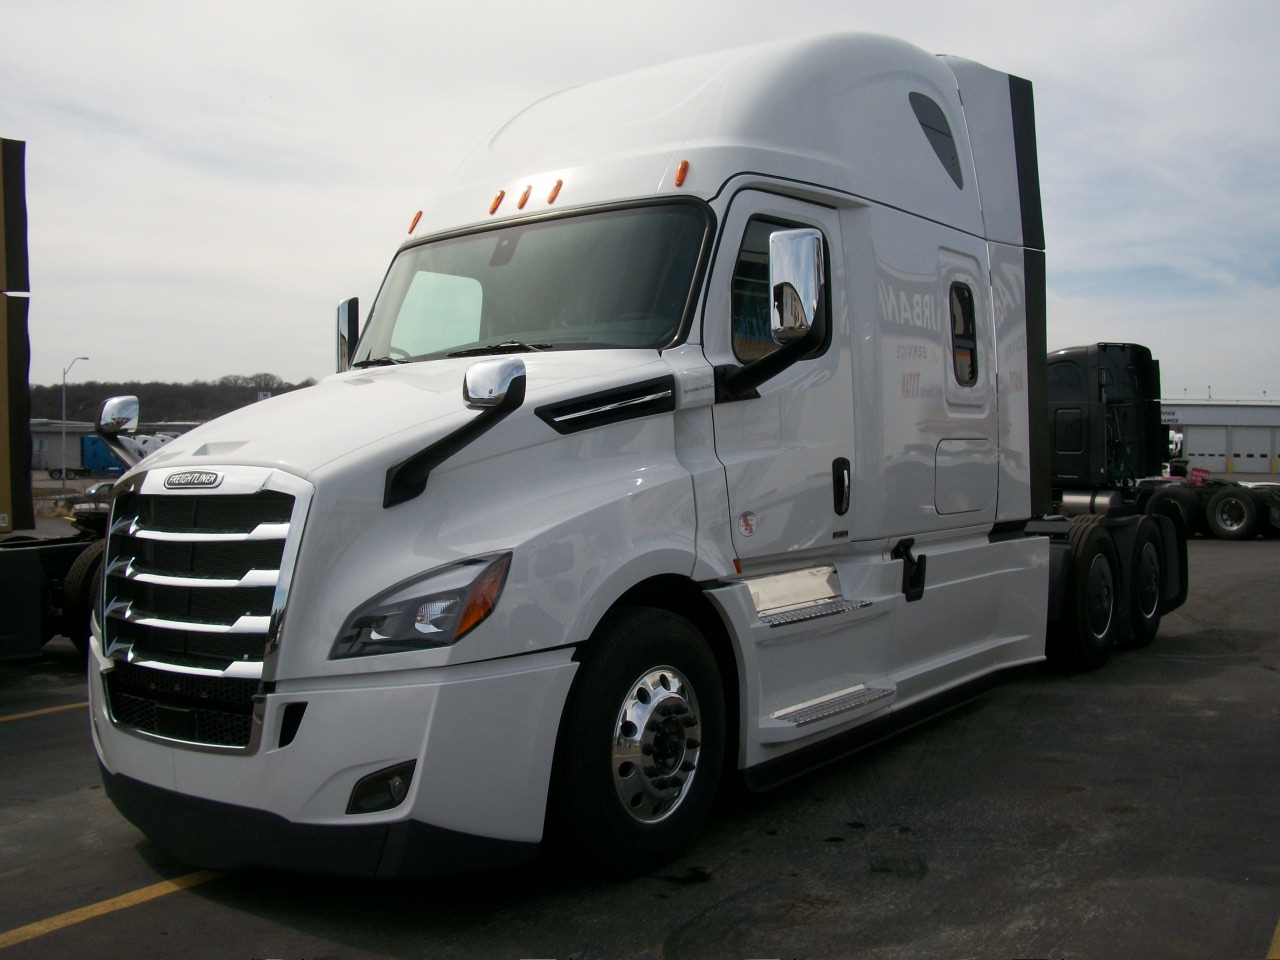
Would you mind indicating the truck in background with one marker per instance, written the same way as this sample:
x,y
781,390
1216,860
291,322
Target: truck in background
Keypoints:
x,y
701,425
43,587
1109,448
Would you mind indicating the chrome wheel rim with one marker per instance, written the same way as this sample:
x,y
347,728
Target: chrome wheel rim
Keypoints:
x,y
1230,514
657,740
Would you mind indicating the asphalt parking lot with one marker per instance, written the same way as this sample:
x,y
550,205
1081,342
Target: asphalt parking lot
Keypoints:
x,y
1130,812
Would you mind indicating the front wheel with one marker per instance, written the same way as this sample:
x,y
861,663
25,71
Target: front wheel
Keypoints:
x,y
641,744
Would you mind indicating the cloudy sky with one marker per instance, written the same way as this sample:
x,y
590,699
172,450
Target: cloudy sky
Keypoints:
x,y
206,181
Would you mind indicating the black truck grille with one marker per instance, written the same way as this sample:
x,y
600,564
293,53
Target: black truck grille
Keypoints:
x,y
211,710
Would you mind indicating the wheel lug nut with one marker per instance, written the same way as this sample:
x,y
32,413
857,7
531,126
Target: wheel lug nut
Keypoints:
x,y
687,766
650,771
689,721
693,744
646,749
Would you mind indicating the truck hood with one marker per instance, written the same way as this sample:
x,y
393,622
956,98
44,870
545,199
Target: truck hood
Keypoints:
x,y
301,431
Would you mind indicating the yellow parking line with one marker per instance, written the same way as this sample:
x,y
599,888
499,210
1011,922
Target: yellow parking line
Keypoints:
x,y
72,917
41,713
1274,952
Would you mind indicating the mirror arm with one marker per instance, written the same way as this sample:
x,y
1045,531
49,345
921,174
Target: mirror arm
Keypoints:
x,y
408,479
740,382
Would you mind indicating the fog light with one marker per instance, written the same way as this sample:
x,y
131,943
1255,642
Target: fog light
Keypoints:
x,y
382,790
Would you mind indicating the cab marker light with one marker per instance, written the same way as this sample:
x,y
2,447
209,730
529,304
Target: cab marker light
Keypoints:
x,y
524,197
555,191
416,217
493,207
682,171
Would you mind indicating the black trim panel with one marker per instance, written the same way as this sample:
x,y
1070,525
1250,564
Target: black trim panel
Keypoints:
x,y
1022,107
611,406
1037,382
222,836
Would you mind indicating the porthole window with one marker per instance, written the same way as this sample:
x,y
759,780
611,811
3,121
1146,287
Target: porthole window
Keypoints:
x,y
964,339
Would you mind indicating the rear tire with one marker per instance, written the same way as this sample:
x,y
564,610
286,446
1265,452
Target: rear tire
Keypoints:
x,y
1083,638
1146,583
641,743
1232,514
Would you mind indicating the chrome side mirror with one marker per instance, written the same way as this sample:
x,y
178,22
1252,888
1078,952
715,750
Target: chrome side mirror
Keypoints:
x,y
795,276
348,331
489,383
797,316
118,415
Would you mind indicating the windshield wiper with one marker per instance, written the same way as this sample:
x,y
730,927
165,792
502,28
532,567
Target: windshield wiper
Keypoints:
x,y
376,362
506,346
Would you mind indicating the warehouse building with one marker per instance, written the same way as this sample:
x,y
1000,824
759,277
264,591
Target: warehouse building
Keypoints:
x,y
1227,436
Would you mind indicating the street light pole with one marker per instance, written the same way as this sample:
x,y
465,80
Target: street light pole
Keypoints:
x,y
65,370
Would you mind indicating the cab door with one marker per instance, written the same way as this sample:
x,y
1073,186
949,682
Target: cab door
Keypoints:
x,y
787,452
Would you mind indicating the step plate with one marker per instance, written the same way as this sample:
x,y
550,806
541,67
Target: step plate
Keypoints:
x,y
813,612
805,713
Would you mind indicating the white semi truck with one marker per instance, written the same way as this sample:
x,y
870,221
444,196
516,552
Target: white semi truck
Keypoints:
x,y
699,426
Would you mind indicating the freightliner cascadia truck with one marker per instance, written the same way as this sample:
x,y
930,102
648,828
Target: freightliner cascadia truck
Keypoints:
x,y
697,430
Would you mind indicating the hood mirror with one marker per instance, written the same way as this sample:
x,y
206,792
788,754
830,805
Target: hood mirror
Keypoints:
x,y
118,415
494,383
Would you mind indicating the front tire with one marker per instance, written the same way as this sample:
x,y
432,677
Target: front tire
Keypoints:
x,y
641,744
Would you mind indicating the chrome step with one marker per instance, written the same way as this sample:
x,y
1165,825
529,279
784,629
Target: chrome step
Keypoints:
x,y
833,703
812,612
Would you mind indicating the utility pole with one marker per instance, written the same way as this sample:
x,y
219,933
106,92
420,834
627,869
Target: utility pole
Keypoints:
x,y
64,422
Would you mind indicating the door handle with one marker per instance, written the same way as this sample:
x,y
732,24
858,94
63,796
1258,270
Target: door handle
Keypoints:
x,y
840,485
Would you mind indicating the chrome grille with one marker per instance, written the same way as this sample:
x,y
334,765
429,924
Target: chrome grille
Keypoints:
x,y
199,578
195,587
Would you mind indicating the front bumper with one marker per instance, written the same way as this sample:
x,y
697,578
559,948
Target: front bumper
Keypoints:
x,y
482,735
222,836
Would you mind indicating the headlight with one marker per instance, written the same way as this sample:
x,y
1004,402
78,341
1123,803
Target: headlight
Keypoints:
x,y
435,610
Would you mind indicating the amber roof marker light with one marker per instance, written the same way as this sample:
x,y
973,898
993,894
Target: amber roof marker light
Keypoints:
x,y
555,191
682,171
497,201
524,197
414,225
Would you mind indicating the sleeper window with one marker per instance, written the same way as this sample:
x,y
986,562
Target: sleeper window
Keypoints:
x,y
964,341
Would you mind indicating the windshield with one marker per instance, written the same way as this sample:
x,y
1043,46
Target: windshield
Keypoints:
x,y
620,278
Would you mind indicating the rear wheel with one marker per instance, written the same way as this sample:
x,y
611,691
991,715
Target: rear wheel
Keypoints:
x,y
1083,638
1146,580
641,743
1232,514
